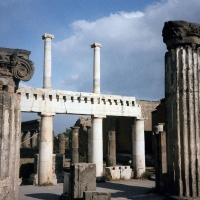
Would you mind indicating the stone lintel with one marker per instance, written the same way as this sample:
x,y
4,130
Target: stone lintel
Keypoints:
x,y
96,45
181,33
46,35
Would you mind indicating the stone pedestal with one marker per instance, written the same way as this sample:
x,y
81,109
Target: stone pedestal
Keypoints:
x,y
138,154
182,66
10,145
82,178
74,145
97,146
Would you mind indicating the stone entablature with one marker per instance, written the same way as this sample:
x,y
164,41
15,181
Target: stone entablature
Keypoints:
x,y
57,101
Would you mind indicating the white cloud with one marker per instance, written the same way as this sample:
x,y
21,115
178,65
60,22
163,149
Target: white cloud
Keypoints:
x,y
132,57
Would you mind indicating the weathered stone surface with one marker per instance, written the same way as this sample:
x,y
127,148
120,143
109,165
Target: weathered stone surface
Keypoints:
x,y
57,167
10,136
74,145
61,138
179,33
14,66
182,101
93,195
83,178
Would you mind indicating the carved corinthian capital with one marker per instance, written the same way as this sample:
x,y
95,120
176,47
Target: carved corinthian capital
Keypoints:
x,y
14,66
180,33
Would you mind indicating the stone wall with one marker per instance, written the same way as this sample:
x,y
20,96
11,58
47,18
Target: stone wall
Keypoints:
x,y
147,107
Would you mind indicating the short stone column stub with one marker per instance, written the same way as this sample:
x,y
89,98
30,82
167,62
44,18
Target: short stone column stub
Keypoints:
x,y
61,139
75,144
47,60
182,103
138,149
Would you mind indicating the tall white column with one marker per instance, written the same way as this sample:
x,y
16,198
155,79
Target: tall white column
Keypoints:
x,y
45,150
46,139
138,154
97,146
47,60
96,70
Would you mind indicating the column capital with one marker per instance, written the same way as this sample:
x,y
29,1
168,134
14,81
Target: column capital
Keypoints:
x,y
181,33
75,127
46,114
96,45
46,35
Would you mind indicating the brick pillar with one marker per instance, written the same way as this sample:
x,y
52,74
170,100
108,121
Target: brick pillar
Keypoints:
x,y
182,66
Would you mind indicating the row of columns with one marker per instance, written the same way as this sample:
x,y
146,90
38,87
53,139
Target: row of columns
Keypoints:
x,y
95,143
29,139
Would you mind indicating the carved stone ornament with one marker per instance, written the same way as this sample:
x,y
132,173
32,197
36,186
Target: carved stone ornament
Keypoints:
x,y
14,66
180,33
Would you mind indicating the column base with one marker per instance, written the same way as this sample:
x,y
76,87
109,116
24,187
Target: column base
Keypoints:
x,y
181,198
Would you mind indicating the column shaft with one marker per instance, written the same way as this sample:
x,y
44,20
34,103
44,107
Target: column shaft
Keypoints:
x,y
182,101
89,150
96,68
138,154
45,151
111,153
74,145
10,128
97,146
47,60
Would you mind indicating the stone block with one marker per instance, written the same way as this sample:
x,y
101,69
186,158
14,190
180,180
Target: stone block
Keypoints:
x,y
66,183
82,178
112,173
94,195
125,172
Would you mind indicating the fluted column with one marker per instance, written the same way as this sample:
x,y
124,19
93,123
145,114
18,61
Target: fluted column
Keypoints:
x,y
14,66
182,89
138,142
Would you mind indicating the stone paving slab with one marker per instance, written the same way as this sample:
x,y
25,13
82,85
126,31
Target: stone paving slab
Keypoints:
x,y
120,190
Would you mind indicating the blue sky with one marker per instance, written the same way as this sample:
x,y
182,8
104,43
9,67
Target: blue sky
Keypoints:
x,y
130,31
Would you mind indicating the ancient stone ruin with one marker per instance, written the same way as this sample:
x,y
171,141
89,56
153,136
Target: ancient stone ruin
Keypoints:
x,y
182,65
14,66
178,175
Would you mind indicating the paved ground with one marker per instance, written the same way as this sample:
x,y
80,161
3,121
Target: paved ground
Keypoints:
x,y
120,190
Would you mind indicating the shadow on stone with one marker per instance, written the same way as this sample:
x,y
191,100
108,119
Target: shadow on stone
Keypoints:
x,y
44,196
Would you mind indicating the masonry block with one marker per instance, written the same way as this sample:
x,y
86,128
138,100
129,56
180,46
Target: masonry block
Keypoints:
x,y
125,172
82,178
112,173
93,195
